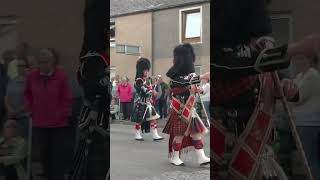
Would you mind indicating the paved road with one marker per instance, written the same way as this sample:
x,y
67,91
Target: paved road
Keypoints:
x,y
148,160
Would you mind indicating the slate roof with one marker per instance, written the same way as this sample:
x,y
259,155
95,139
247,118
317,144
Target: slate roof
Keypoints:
x,y
125,7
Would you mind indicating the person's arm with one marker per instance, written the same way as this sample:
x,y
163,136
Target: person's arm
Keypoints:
x,y
130,91
28,96
66,98
18,154
309,46
118,90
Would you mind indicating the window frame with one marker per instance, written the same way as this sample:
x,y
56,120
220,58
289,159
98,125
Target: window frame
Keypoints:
x,y
198,66
285,16
113,40
121,45
126,50
182,25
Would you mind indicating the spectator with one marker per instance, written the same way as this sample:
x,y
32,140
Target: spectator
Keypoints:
x,y
163,108
21,53
205,96
157,93
8,56
32,62
125,95
115,84
307,111
114,109
14,99
48,97
13,152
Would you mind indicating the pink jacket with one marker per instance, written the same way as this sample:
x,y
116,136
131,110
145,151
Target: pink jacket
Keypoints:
x,y
49,98
125,93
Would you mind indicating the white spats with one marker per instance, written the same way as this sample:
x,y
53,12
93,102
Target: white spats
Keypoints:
x,y
202,158
138,135
155,135
175,159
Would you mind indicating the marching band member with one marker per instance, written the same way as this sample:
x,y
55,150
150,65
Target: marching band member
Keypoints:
x,y
144,114
184,125
92,156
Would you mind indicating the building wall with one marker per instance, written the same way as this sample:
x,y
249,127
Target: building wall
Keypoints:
x,y
305,17
302,21
135,30
166,37
56,24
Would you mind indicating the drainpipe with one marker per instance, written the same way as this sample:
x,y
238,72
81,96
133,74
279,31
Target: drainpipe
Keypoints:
x,y
152,44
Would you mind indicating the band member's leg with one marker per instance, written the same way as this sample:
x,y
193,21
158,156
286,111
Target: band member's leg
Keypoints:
x,y
154,130
175,156
138,132
197,142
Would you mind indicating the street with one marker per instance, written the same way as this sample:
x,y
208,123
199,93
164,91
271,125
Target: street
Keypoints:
x,y
148,160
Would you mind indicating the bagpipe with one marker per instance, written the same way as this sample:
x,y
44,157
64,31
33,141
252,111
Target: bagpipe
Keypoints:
x,y
186,110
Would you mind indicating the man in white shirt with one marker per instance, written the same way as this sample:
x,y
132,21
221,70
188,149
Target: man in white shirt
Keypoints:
x,y
21,53
205,96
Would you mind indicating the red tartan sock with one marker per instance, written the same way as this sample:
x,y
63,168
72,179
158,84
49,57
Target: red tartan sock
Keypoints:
x,y
176,146
197,144
153,125
138,126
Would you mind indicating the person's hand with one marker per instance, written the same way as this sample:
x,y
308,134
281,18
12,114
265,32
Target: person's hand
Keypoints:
x,y
194,89
290,89
200,89
205,76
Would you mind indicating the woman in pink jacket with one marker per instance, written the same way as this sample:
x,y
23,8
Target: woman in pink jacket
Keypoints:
x,y
125,95
49,99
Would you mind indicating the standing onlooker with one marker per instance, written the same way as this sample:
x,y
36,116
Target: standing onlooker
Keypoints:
x,y
114,91
49,98
125,95
205,96
32,62
162,102
14,99
21,53
307,111
157,93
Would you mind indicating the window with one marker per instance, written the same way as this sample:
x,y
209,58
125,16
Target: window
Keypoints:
x,y
197,69
121,48
191,25
133,50
282,32
282,28
129,50
112,34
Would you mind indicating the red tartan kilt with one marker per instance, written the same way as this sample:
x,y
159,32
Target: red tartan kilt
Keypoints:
x,y
175,126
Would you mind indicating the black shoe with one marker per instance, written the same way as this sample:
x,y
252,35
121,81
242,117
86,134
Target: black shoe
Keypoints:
x,y
204,164
159,139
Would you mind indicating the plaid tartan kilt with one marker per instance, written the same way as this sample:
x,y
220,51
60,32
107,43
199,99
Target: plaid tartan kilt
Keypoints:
x,y
176,126
144,112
